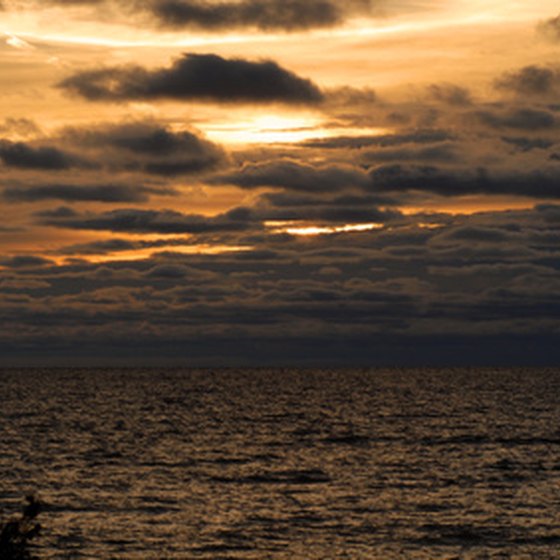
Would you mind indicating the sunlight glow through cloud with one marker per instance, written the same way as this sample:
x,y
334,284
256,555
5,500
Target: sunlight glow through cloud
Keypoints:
x,y
280,128
310,230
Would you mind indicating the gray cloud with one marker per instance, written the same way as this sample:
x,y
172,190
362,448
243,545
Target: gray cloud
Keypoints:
x,y
145,138
444,153
201,77
133,220
530,80
149,147
116,245
84,193
223,15
383,141
527,144
347,209
25,261
24,156
536,183
295,176
521,119
493,276
266,15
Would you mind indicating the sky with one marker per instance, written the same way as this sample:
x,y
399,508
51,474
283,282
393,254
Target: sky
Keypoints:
x,y
279,182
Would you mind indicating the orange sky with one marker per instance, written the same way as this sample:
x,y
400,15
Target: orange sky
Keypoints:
x,y
132,132
399,51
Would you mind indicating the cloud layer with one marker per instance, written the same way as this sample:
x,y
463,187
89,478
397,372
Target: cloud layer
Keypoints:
x,y
394,207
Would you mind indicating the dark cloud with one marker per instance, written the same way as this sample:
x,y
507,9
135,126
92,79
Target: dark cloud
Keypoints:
x,y
84,193
530,80
294,176
446,153
180,166
24,156
227,15
346,209
149,147
116,245
493,276
266,15
60,213
200,77
384,140
521,119
334,214
477,234
285,199
99,247
25,261
528,144
445,182
145,138
146,221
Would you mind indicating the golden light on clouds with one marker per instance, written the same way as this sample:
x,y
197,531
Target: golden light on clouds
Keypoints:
x,y
281,128
146,254
372,167
311,230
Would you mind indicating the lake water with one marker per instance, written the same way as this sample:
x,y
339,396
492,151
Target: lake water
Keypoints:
x,y
310,464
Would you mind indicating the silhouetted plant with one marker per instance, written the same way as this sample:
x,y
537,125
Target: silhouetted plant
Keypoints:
x,y
15,535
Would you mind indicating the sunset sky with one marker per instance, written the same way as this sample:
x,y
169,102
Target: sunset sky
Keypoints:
x,y
279,182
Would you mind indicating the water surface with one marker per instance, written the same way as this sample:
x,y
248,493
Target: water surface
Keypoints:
x,y
310,464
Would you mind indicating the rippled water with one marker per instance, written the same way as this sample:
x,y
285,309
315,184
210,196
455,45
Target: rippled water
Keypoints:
x,y
286,463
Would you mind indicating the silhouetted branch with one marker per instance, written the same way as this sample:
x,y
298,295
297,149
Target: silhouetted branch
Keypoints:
x,y
16,534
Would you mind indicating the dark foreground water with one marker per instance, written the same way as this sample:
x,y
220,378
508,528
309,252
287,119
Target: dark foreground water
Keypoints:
x,y
376,464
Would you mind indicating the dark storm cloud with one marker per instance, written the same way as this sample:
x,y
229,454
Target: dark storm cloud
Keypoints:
x,y
84,193
133,220
536,184
266,15
24,156
530,80
294,176
200,77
